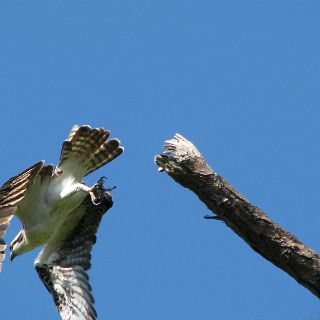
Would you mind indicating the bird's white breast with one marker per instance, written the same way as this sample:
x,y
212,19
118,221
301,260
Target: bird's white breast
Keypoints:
x,y
47,206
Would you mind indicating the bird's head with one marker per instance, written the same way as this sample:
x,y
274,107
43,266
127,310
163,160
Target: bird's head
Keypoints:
x,y
17,245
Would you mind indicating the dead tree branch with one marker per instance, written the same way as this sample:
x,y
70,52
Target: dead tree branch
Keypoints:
x,y
184,163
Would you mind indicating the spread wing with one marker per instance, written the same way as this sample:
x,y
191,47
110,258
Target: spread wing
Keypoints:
x,y
86,150
11,193
62,264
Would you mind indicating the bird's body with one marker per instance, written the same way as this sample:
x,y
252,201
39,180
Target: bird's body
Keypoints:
x,y
51,204
45,208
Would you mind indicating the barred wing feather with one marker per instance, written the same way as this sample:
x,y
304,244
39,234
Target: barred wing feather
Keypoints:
x,y
11,193
63,263
86,150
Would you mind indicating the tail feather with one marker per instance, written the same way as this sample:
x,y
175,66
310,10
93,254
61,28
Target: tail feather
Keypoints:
x,y
86,150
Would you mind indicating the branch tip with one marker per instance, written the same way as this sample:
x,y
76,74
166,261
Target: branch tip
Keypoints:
x,y
180,147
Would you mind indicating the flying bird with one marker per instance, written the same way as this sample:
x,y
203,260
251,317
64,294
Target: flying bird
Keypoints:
x,y
60,212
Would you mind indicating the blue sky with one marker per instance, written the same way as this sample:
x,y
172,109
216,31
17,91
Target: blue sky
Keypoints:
x,y
240,79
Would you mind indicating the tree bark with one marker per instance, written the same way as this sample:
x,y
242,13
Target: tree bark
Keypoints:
x,y
184,163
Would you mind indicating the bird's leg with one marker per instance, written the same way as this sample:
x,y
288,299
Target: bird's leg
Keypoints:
x,y
96,192
70,190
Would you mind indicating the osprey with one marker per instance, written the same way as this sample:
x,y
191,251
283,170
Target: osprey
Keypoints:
x,y
60,212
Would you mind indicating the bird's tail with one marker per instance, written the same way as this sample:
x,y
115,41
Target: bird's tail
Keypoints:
x,y
86,150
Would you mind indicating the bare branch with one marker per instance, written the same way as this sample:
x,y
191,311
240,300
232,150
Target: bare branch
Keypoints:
x,y
184,163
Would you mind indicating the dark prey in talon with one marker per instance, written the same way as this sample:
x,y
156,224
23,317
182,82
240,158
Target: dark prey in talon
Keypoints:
x,y
61,213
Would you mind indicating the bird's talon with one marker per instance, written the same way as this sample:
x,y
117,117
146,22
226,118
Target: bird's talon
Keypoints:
x,y
208,217
100,182
110,189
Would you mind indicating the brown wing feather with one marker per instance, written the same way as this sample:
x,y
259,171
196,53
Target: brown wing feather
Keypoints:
x,y
63,263
106,153
11,193
86,150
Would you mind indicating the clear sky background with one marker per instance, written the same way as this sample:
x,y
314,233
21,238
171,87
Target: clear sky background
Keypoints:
x,y
240,79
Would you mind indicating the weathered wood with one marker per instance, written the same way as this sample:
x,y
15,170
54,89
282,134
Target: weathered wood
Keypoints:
x,y
184,163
